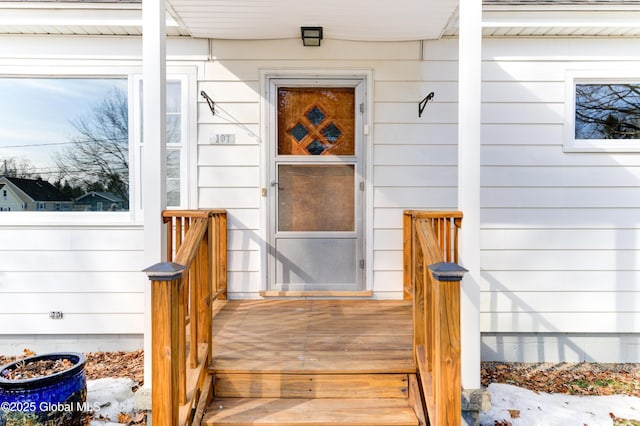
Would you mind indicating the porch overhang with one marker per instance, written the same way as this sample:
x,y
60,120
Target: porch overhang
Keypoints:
x,y
358,20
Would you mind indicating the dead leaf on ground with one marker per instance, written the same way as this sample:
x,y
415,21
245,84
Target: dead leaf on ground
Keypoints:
x,y
138,418
568,378
124,418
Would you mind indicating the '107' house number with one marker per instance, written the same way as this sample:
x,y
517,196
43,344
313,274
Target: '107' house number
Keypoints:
x,y
223,138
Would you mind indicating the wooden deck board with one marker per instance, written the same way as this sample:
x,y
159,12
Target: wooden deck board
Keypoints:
x,y
314,386
298,336
285,412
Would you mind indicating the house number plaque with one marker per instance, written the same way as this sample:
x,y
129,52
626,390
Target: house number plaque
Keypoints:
x,y
223,139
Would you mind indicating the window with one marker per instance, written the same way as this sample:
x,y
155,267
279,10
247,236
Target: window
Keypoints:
x,y
66,144
63,138
602,114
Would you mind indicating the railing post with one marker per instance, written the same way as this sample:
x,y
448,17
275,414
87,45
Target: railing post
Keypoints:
x,y
446,362
221,250
166,280
203,284
407,258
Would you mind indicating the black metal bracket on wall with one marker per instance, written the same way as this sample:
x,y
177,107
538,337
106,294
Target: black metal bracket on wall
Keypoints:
x,y
423,103
212,105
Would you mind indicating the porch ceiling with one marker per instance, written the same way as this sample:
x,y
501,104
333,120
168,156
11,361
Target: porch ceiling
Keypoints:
x,y
346,20
363,20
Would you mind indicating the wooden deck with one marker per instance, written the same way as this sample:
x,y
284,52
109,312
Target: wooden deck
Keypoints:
x,y
327,361
298,336
320,362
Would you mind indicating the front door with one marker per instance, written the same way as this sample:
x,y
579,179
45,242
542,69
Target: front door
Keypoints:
x,y
316,203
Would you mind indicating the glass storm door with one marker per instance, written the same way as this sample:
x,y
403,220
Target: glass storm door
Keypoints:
x,y
316,186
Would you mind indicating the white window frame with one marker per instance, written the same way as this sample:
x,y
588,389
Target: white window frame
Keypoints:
x,y
574,77
188,155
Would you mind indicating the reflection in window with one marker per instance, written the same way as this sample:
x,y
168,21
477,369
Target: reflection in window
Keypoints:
x,y
174,142
174,135
173,177
65,145
174,112
607,111
62,139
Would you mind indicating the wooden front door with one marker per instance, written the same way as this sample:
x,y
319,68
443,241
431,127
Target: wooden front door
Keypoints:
x,y
316,189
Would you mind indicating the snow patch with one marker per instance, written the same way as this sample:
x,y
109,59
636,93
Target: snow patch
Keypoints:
x,y
113,396
524,407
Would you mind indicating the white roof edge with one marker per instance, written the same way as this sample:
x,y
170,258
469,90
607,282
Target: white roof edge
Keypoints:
x,y
554,17
69,6
546,7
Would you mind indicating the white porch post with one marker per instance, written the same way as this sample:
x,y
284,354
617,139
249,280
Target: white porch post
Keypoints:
x,y
153,154
469,104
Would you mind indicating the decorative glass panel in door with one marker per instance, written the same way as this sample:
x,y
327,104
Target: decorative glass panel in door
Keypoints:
x,y
317,235
316,121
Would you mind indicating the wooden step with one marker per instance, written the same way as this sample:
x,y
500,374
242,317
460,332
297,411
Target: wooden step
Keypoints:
x,y
243,385
325,362
318,412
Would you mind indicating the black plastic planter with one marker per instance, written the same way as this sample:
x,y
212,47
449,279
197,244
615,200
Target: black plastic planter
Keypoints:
x,y
57,399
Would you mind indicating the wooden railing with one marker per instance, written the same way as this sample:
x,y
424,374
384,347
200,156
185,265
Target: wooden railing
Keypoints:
x,y
178,223
182,291
432,281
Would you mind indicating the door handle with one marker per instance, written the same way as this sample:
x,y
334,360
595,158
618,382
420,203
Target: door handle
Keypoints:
x,y
276,184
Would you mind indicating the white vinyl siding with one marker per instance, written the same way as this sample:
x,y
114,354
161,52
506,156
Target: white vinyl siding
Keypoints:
x,y
412,160
559,241
90,274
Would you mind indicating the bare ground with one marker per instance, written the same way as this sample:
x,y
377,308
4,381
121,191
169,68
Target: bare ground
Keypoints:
x,y
104,364
569,378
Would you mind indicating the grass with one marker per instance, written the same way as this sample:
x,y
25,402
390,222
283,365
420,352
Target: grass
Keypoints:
x,y
605,386
625,422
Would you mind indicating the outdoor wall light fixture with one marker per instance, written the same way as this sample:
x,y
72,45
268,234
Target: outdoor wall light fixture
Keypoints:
x,y
311,36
